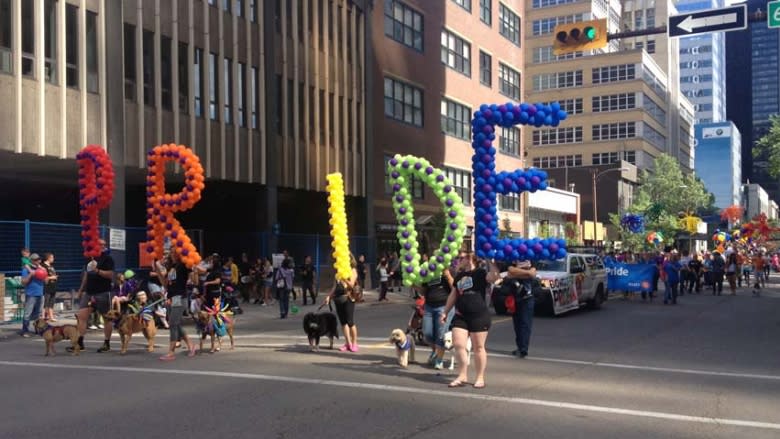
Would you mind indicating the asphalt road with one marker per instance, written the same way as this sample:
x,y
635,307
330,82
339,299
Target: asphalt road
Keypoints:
x,y
707,368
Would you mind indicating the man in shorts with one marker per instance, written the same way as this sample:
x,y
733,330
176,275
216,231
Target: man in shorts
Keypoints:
x,y
95,293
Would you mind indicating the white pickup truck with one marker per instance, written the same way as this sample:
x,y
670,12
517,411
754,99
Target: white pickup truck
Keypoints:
x,y
569,283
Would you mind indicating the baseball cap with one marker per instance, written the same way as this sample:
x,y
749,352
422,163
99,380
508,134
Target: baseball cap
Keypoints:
x,y
34,257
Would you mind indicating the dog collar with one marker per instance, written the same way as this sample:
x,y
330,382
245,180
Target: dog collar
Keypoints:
x,y
406,345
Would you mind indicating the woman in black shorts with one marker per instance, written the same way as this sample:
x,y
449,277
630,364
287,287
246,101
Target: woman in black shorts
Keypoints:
x,y
472,318
345,307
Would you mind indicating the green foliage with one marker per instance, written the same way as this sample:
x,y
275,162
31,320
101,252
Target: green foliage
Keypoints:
x,y
769,147
573,234
663,197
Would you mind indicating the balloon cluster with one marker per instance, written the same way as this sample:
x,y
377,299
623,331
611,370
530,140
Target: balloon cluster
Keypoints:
x,y
655,238
401,169
488,184
96,189
690,223
161,206
633,223
759,229
719,237
338,226
732,213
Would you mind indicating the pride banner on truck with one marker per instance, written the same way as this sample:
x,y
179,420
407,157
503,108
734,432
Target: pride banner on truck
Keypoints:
x,y
630,277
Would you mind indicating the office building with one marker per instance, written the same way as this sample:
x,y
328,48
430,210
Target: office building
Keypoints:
x,y
753,91
703,67
719,161
270,94
624,100
436,62
756,202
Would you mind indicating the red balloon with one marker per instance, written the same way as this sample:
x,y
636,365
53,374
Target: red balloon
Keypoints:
x,y
40,273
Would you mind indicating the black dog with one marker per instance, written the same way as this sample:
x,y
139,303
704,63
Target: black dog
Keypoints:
x,y
320,325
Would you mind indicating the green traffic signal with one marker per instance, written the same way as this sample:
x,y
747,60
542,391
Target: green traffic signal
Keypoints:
x,y
590,33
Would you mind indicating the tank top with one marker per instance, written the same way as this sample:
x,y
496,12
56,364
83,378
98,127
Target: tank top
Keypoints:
x,y
339,290
437,291
472,286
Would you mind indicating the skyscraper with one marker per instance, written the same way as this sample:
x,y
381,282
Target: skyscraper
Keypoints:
x,y
703,67
753,91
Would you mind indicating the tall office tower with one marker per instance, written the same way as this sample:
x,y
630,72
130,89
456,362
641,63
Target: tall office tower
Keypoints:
x,y
703,67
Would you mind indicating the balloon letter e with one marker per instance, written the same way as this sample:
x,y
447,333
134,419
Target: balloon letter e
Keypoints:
x,y
402,169
160,206
96,189
488,184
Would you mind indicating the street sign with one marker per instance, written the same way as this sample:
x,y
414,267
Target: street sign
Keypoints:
x,y
773,14
711,20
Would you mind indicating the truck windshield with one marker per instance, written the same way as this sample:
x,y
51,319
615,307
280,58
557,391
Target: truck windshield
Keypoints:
x,y
551,265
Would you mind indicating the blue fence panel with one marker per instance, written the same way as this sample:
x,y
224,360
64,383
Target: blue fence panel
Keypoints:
x,y
11,242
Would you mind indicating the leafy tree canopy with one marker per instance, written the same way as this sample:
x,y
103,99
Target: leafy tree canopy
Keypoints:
x,y
769,146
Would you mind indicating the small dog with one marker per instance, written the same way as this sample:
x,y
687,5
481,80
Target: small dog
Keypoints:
x,y
317,325
209,327
404,347
128,325
53,334
448,347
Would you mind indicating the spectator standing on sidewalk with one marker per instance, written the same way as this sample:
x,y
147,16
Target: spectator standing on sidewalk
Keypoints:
x,y
522,275
49,287
361,270
718,271
695,270
33,293
283,281
307,276
731,272
384,277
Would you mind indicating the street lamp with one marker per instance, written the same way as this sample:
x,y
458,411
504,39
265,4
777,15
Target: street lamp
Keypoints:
x,y
596,176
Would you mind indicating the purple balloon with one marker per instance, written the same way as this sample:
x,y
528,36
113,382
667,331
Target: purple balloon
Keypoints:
x,y
429,170
553,248
417,166
408,258
423,272
394,162
402,211
409,269
445,249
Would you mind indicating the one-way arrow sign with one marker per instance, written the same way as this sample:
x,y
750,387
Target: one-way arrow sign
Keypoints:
x,y
711,20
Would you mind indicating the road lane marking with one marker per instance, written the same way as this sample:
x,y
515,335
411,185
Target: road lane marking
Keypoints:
x,y
416,390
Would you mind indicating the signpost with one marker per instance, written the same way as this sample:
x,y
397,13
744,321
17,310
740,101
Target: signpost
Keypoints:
x,y
773,15
712,20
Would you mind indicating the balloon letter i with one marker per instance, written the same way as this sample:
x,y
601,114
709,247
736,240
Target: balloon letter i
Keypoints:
x,y
338,226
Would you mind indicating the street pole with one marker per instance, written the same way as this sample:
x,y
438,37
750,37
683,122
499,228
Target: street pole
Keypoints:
x,y
595,209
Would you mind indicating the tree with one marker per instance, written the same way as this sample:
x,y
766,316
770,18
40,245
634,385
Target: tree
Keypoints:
x,y
769,147
662,197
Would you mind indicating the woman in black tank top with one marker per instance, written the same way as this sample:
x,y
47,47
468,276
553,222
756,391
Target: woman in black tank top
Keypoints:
x,y
345,308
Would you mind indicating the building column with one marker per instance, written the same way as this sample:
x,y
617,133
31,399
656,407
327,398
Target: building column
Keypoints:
x,y
271,109
367,129
115,121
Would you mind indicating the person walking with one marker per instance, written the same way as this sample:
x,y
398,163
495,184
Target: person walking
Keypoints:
x,y
718,267
307,278
95,294
435,293
176,284
731,272
345,307
283,281
472,318
695,271
384,278
671,270
33,293
760,274
521,275
49,287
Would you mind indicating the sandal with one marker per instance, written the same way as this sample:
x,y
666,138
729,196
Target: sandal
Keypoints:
x,y
192,351
479,385
168,357
456,383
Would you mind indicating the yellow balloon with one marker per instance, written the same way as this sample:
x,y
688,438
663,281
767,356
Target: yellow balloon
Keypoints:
x,y
338,222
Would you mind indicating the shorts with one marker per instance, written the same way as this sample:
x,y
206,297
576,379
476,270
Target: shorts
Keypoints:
x,y
345,309
473,323
101,302
48,299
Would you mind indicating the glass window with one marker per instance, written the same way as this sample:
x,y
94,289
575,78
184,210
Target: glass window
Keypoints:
x,y
166,73
455,119
239,8
612,131
416,186
92,53
241,95
623,72
486,11
508,81
71,46
148,67
28,38
129,62
184,78
536,4
226,5
227,66
461,182
570,106
253,10
616,102
455,52
213,81
256,96
557,136
465,4
485,69
403,24
50,40
403,102
510,202
509,142
547,81
509,24
197,81
6,63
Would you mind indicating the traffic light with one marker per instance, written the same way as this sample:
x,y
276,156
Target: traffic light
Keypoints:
x,y
583,35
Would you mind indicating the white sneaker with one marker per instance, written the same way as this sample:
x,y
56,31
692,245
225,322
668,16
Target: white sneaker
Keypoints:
x,y
92,327
100,326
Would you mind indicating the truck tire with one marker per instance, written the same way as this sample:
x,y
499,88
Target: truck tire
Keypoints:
x,y
598,298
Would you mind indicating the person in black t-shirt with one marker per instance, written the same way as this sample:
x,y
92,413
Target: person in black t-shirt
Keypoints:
x,y
695,268
472,318
177,299
307,276
213,285
94,293
436,293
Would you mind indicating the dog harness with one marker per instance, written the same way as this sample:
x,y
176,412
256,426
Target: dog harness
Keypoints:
x,y
406,345
54,330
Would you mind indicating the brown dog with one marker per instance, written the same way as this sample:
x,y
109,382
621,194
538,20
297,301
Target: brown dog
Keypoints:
x,y
53,334
130,324
205,322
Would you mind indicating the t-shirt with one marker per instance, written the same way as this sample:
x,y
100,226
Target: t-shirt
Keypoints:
x,y
471,291
718,264
672,271
177,280
361,269
383,274
212,291
97,284
35,287
695,265
308,273
50,287
437,291
26,261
